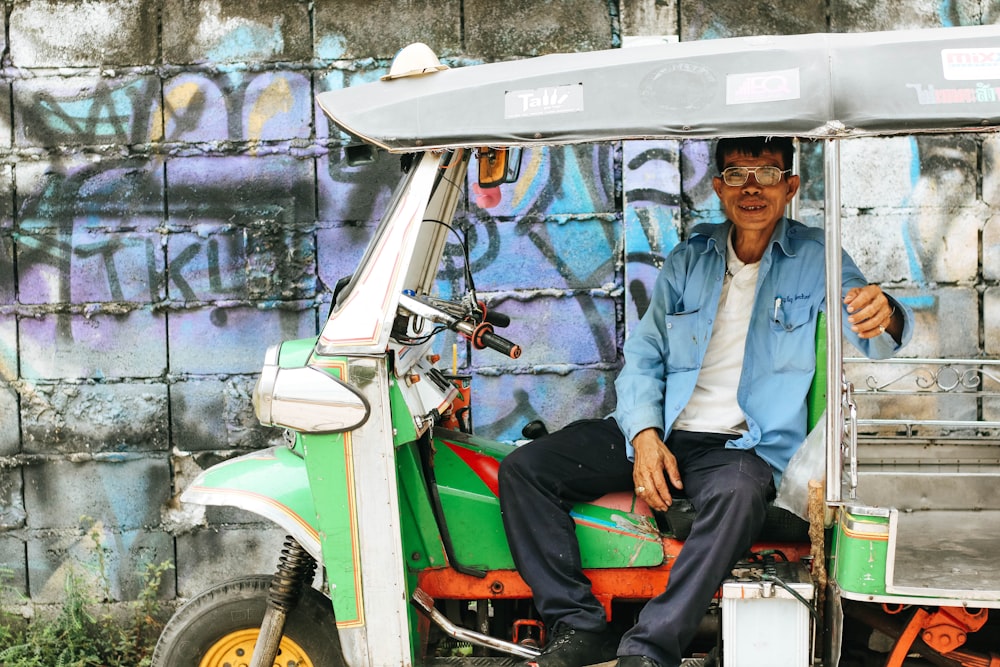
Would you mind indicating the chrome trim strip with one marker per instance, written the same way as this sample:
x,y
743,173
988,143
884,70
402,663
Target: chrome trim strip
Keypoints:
x,y
865,510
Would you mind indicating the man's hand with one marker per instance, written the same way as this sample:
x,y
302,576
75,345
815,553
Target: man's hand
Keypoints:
x,y
870,313
654,465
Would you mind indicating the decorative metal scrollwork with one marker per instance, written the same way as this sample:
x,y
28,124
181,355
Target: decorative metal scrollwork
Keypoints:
x,y
972,421
949,377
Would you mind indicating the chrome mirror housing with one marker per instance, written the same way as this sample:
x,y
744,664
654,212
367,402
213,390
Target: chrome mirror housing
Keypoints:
x,y
306,399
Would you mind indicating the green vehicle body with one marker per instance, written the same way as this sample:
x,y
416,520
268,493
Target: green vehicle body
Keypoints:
x,y
859,544
314,472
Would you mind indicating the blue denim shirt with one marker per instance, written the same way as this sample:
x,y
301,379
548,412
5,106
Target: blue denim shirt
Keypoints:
x,y
663,355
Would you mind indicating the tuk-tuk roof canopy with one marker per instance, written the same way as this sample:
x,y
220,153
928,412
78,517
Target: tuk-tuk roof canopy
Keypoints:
x,y
811,86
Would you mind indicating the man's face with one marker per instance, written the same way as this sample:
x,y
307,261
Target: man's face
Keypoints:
x,y
753,207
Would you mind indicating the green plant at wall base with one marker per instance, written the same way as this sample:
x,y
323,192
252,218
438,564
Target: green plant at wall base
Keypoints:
x,y
78,638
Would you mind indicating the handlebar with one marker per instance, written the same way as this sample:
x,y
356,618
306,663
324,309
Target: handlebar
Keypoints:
x,y
480,333
482,336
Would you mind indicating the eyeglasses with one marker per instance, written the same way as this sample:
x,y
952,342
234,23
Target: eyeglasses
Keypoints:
x,y
737,176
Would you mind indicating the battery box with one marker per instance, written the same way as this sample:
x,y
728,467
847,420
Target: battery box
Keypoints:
x,y
763,624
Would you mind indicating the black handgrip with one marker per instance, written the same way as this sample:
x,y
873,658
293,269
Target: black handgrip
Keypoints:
x,y
502,345
498,320
484,337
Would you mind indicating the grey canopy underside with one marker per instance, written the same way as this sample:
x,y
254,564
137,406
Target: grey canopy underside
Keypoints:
x,y
817,85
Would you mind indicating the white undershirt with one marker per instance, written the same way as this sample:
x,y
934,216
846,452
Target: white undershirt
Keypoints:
x,y
713,407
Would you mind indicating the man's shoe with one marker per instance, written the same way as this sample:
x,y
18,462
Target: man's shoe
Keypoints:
x,y
576,648
636,661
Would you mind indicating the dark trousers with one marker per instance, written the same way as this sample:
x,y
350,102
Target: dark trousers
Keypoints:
x,y
542,480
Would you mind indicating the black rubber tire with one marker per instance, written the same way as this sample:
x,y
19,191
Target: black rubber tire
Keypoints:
x,y
238,605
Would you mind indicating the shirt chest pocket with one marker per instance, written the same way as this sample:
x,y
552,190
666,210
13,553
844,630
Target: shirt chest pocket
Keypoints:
x,y
793,337
684,335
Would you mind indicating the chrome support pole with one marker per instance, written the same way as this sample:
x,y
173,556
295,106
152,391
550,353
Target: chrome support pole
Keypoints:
x,y
792,210
834,324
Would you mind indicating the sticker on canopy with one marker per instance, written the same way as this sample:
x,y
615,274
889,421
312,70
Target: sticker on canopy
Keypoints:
x,y
753,87
678,86
543,101
966,64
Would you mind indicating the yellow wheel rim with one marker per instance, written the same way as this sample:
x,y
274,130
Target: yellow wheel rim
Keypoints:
x,y
236,648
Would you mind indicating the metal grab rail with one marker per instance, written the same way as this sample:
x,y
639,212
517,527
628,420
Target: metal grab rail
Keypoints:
x,y
942,423
851,433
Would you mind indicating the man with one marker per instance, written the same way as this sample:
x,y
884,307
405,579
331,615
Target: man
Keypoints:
x,y
711,401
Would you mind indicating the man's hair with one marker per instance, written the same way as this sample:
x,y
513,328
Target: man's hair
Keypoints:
x,y
754,146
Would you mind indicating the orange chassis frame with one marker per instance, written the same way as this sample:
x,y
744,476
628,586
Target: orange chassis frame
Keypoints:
x,y
630,583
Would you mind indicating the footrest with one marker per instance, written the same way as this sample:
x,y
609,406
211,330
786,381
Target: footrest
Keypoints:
x,y
948,554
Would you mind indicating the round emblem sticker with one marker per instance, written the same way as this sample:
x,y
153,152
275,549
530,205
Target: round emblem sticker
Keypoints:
x,y
678,86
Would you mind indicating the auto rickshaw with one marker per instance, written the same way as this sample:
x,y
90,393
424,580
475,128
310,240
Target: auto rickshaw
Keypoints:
x,y
396,554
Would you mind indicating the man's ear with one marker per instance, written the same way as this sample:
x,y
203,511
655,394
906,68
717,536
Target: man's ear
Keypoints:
x,y
717,186
793,181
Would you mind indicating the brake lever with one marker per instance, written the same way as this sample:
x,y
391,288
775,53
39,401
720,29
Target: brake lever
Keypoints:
x,y
483,314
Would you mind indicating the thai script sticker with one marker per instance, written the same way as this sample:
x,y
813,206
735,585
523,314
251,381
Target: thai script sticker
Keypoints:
x,y
968,64
751,87
982,93
543,101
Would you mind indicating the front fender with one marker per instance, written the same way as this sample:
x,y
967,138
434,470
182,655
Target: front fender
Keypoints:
x,y
272,483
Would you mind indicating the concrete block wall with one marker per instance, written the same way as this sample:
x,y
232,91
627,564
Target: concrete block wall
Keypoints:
x,y
172,202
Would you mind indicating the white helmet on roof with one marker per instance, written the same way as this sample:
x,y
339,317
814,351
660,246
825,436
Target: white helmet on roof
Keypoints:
x,y
414,60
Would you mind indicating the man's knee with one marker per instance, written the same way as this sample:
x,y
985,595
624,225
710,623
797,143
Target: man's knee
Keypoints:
x,y
758,477
517,465
508,467
748,485
536,464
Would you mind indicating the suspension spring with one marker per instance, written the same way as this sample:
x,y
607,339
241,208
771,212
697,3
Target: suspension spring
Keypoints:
x,y
296,569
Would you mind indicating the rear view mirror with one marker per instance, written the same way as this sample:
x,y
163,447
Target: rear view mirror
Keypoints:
x,y
306,398
498,165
